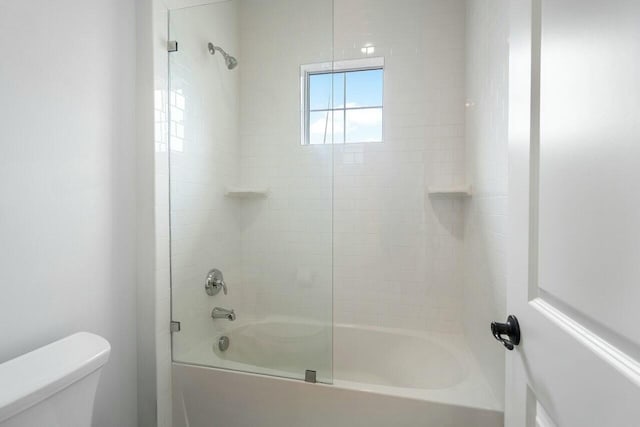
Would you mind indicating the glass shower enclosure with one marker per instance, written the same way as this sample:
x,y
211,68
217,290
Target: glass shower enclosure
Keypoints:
x,y
251,198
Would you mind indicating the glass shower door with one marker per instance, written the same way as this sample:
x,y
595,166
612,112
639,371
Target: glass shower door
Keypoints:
x,y
251,200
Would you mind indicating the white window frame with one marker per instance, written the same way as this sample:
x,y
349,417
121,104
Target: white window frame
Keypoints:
x,y
361,64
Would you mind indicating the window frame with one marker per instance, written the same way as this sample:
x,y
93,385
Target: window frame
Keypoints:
x,y
345,66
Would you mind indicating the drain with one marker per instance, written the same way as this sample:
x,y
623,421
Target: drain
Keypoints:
x,y
223,343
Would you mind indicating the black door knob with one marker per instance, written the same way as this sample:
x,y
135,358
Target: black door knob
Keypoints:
x,y
510,329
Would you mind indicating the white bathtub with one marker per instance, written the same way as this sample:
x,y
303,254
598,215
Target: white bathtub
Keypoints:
x,y
381,377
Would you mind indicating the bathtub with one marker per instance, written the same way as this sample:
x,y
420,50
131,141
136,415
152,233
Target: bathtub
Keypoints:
x,y
379,377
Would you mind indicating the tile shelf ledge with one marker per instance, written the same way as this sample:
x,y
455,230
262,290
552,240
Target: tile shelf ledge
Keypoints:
x,y
245,192
449,191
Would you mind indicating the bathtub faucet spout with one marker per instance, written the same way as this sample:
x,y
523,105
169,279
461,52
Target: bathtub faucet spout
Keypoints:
x,y
223,313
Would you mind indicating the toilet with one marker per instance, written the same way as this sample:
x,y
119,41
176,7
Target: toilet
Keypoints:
x,y
55,385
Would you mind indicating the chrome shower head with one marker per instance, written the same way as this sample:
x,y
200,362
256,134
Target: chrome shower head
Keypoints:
x,y
228,59
231,62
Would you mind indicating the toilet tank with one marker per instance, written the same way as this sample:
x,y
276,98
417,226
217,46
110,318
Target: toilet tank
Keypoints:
x,y
55,385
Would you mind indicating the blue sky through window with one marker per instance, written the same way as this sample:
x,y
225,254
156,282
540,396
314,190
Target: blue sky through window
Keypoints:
x,y
345,106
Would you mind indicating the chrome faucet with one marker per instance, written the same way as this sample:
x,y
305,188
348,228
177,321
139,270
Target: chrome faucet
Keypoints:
x,y
223,313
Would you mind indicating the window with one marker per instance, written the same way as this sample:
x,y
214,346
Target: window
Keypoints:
x,y
342,102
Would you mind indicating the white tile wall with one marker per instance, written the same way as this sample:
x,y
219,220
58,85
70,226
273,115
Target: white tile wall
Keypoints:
x,y
287,237
397,253
392,247
485,219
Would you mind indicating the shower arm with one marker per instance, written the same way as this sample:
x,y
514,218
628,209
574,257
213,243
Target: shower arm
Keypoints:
x,y
213,48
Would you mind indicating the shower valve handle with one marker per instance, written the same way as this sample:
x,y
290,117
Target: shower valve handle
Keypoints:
x,y
511,329
215,282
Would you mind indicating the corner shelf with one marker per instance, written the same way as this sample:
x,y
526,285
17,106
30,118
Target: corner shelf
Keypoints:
x,y
450,191
242,192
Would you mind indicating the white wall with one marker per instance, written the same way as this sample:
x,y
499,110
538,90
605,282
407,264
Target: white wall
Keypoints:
x,y
67,174
485,218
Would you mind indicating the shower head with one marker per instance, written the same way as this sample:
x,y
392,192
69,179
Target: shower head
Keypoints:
x,y
231,62
228,59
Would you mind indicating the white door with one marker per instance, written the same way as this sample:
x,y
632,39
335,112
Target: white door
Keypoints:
x,y
574,279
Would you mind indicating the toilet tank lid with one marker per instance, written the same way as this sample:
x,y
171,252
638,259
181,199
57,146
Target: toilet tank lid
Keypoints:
x,y
34,376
